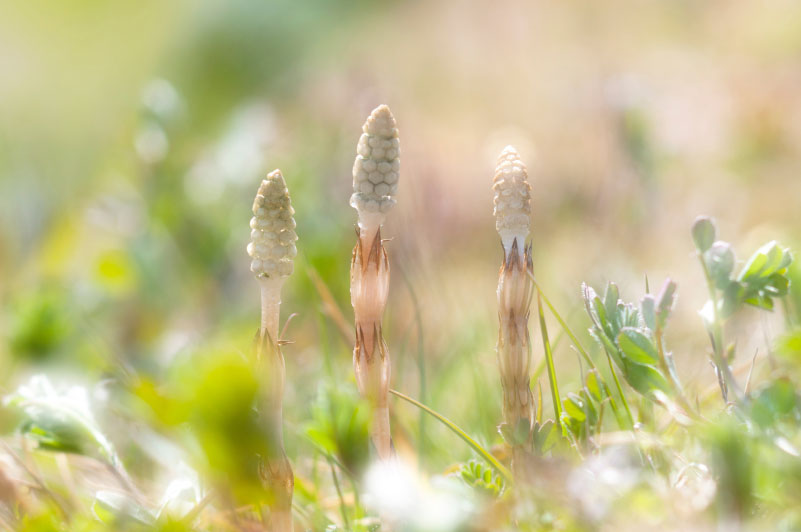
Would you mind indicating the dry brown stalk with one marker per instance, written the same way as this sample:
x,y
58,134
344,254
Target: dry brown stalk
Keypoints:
x,y
375,182
272,250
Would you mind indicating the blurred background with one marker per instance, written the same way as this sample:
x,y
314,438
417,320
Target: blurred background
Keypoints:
x,y
133,137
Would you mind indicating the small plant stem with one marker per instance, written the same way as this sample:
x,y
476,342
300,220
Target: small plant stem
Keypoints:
x,y
717,333
486,455
564,326
669,369
421,364
342,507
620,391
330,306
557,407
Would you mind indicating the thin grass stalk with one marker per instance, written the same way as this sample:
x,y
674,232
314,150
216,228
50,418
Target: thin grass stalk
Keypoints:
x,y
421,366
272,250
375,183
587,358
729,383
343,508
620,390
473,444
557,405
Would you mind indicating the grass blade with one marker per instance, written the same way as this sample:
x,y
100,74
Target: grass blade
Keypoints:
x,y
421,361
557,407
505,473
564,326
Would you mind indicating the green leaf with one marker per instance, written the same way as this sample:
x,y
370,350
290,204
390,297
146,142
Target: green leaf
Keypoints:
x,y
517,434
61,419
55,433
756,263
760,300
574,406
589,407
546,436
648,311
606,325
593,384
774,402
589,296
637,347
611,298
645,379
479,476
778,285
627,316
664,304
766,261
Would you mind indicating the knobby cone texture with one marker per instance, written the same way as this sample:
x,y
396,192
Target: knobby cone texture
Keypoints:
x,y
377,165
272,236
512,201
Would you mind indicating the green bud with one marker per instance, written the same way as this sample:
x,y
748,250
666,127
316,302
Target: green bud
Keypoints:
x,y
704,233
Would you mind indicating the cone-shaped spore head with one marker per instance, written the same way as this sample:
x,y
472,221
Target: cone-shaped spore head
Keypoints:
x,y
512,199
377,166
272,236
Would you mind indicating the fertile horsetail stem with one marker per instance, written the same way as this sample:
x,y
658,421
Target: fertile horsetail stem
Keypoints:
x,y
375,183
515,289
272,250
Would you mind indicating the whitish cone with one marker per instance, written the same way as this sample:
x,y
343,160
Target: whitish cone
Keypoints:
x,y
375,171
272,236
512,199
